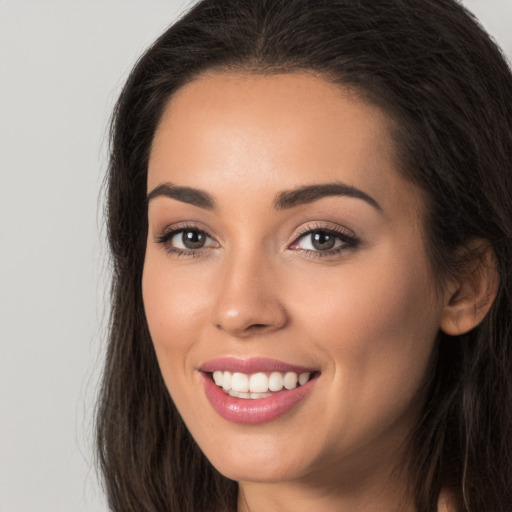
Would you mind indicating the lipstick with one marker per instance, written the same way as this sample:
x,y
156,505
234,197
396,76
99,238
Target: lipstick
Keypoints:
x,y
280,387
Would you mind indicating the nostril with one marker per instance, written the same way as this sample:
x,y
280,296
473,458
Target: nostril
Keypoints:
x,y
257,328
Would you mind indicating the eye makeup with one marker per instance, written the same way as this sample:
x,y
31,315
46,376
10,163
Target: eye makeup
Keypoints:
x,y
314,240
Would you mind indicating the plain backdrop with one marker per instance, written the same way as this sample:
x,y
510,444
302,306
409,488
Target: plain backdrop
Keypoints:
x,y
62,64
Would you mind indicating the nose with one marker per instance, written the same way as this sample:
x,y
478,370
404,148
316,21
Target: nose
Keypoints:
x,y
247,300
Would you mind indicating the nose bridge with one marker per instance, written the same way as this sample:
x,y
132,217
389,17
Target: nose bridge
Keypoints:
x,y
246,298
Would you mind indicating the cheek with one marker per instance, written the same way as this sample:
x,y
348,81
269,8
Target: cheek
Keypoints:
x,y
377,327
175,305
381,298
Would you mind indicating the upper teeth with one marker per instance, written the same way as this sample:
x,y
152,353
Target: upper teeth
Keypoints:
x,y
258,382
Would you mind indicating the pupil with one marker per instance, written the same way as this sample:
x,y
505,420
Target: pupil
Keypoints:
x,y
193,239
323,241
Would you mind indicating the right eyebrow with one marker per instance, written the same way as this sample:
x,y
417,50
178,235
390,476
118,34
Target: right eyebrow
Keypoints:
x,y
184,194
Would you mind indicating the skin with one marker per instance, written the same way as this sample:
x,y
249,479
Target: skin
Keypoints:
x,y
366,317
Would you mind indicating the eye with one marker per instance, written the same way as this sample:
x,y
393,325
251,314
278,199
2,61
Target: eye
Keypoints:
x,y
318,241
185,240
189,239
324,240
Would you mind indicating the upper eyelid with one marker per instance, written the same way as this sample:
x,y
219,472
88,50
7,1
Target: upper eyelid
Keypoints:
x,y
328,226
181,226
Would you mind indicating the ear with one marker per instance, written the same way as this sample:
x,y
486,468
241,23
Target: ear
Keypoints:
x,y
470,296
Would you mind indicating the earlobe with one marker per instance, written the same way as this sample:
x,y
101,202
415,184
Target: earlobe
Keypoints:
x,y
469,298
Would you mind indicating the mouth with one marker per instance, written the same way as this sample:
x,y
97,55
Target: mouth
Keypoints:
x,y
258,385
255,390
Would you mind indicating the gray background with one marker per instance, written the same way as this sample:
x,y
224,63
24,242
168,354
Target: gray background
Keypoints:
x,y
62,64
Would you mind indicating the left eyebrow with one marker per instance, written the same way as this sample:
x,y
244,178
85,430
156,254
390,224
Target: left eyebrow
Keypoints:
x,y
308,194
184,194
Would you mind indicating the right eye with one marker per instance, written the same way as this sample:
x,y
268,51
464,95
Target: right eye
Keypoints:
x,y
186,240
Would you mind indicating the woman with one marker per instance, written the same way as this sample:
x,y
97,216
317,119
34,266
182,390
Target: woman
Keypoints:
x,y
310,216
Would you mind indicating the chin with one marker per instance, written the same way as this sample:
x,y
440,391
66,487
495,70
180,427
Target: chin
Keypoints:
x,y
262,464
255,472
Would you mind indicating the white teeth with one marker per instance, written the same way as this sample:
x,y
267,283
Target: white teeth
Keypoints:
x,y
258,385
259,395
303,378
239,394
240,382
226,380
290,380
276,381
254,396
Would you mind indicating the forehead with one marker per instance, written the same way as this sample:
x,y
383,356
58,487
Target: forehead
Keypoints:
x,y
271,132
296,107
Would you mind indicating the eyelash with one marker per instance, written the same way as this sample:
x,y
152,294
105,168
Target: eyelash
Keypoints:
x,y
349,240
165,241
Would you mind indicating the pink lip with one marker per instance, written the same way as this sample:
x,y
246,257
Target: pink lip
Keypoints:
x,y
253,411
251,365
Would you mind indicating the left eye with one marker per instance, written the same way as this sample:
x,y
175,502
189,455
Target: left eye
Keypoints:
x,y
321,240
188,239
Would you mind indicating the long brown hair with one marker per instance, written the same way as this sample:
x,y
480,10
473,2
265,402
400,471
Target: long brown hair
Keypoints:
x,y
436,72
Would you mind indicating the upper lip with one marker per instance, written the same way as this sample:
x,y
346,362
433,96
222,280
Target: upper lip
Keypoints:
x,y
251,365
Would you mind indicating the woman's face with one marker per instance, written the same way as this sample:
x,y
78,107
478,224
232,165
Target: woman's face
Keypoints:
x,y
283,245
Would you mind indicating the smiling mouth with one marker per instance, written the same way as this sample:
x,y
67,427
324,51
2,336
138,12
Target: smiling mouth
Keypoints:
x,y
259,385
255,390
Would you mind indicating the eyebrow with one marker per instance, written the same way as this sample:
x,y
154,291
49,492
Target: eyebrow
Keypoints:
x,y
183,194
310,193
284,200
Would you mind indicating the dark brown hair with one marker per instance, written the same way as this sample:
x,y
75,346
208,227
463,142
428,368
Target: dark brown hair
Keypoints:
x,y
448,88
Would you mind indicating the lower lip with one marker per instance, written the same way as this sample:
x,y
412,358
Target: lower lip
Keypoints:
x,y
250,411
